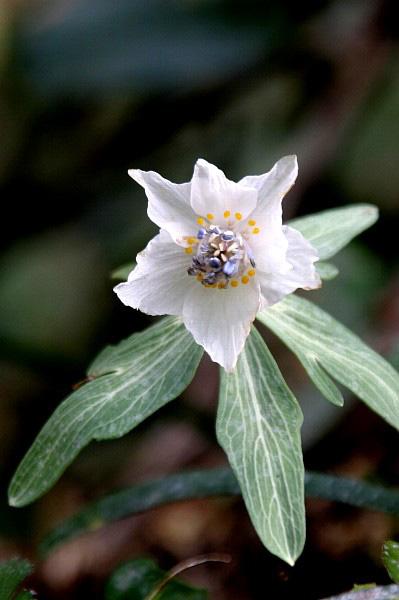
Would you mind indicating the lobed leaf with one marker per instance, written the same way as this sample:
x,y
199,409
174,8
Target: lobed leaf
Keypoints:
x,y
330,230
258,425
128,383
319,340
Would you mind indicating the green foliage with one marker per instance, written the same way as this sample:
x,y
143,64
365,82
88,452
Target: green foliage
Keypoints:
x,y
326,270
207,483
127,383
136,499
258,425
136,579
352,492
330,230
390,557
12,574
320,342
258,422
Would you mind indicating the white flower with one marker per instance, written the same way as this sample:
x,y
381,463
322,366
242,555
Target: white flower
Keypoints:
x,y
221,255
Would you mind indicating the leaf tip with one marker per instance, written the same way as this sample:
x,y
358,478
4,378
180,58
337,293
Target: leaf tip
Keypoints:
x,y
16,500
13,501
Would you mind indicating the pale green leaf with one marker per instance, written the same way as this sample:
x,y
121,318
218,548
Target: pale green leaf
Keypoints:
x,y
258,425
127,383
330,230
314,334
317,374
326,270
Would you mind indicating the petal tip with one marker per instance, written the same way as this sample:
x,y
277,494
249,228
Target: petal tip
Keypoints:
x,y
122,291
289,161
202,165
135,174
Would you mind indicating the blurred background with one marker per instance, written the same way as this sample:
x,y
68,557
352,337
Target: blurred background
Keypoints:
x,y
90,88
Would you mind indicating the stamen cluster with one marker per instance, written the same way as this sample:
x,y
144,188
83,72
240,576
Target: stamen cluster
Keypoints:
x,y
221,255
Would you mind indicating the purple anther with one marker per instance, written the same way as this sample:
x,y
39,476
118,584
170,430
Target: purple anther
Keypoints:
x,y
229,268
201,233
215,263
209,279
198,262
227,236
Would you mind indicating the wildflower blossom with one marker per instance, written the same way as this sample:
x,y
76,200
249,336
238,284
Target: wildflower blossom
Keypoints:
x,y
222,254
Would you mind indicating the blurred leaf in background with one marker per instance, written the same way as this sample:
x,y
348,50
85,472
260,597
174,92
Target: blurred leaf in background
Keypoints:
x,y
97,46
368,164
52,295
136,580
12,574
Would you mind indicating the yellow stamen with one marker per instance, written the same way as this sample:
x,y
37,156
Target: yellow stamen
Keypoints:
x,y
256,230
244,279
188,250
220,286
200,221
199,277
251,272
238,216
251,222
191,240
234,283
210,216
226,214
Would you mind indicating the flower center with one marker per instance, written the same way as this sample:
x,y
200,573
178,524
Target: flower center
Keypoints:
x,y
222,258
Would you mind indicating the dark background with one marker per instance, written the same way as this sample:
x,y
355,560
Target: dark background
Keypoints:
x,y
90,88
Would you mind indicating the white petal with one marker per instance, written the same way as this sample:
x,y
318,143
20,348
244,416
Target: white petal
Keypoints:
x,y
168,203
212,192
270,244
220,320
274,184
159,283
302,256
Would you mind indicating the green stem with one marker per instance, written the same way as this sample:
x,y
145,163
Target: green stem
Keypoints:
x,y
208,483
